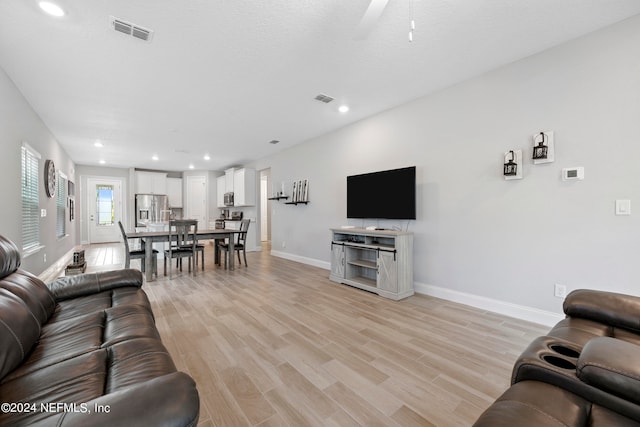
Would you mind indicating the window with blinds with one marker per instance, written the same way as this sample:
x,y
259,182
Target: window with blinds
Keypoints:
x,y
30,199
61,205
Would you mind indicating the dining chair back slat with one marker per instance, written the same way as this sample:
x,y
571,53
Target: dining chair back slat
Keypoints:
x,y
183,241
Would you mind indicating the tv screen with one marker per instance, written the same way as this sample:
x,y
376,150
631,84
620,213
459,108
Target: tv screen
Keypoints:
x,y
389,194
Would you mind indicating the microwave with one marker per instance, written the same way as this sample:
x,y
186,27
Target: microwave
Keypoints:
x,y
228,198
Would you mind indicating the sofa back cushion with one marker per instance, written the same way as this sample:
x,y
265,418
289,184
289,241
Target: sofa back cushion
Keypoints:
x,y
19,330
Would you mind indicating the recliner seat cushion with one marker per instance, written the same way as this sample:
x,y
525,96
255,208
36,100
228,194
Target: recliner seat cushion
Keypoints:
x,y
78,379
61,341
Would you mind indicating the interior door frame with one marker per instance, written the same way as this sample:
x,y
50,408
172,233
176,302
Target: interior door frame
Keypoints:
x,y
120,210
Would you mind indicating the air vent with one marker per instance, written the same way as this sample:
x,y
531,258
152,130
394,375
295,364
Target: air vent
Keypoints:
x,y
323,98
131,29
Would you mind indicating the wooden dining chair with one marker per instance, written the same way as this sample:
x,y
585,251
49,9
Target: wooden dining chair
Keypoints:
x,y
137,254
183,240
239,245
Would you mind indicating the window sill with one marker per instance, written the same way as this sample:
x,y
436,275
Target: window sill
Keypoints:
x,y
27,253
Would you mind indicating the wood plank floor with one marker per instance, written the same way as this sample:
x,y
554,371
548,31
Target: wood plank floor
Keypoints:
x,y
278,344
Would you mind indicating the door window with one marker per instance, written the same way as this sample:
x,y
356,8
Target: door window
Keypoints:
x,y
105,205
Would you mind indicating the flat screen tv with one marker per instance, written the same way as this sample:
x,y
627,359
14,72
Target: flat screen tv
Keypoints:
x,y
389,194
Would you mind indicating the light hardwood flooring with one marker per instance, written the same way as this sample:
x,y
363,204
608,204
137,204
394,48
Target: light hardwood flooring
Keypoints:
x,y
278,344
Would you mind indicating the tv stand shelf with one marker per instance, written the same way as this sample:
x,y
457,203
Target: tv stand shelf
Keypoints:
x,y
378,261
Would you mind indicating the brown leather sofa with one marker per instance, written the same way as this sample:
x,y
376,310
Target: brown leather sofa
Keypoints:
x,y
585,372
84,350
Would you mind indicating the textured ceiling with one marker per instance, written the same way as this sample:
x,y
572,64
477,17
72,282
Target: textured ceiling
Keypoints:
x,y
225,77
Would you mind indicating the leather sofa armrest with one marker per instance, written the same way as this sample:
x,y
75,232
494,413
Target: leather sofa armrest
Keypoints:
x,y
610,365
610,308
170,400
92,283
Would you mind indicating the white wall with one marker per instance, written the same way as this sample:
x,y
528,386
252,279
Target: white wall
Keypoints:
x,y
18,123
478,238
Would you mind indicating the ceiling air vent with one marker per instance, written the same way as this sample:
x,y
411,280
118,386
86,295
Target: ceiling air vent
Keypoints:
x,y
131,29
323,98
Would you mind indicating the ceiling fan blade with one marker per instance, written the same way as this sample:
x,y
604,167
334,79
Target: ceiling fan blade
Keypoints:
x,y
370,18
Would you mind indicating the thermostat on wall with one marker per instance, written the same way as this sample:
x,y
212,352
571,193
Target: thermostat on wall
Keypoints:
x,y
570,174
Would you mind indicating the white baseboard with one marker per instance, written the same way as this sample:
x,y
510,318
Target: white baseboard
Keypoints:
x,y
56,269
522,312
302,259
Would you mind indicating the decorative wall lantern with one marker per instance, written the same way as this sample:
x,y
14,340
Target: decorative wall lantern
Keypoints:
x,y
511,167
541,150
543,147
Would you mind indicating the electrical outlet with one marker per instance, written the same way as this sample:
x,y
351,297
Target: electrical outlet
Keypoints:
x,y
560,291
45,257
284,244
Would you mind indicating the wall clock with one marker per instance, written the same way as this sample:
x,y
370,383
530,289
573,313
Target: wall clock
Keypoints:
x,y
50,178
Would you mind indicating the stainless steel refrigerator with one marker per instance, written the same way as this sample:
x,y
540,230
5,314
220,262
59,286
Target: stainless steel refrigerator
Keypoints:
x,y
152,209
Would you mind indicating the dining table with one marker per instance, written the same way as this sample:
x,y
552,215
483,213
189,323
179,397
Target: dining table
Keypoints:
x,y
148,238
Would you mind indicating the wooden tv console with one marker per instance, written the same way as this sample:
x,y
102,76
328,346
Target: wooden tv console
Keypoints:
x,y
378,261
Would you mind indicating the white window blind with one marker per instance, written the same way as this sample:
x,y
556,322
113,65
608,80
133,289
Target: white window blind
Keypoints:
x,y
30,199
61,205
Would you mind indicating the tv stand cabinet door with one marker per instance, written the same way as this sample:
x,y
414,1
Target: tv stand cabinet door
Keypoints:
x,y
337,260
387,271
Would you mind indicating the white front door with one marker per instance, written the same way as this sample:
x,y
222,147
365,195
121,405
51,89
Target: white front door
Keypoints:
x,y
104,199
197,200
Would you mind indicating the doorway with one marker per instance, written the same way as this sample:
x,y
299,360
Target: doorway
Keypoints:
x,y
265,206
196,200
104,209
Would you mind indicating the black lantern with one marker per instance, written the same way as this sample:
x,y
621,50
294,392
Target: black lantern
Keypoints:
x,y
511,167
540,151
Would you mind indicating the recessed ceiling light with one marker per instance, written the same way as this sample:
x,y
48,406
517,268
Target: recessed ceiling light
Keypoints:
x,y
191,166
206,157
102,162
98,144
343,108
51,8
154,157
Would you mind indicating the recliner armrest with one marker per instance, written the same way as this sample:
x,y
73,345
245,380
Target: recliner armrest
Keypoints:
x,y
170,400
92,283
611,365
610,308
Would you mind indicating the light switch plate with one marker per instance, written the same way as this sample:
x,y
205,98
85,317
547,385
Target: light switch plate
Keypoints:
x,y
623,207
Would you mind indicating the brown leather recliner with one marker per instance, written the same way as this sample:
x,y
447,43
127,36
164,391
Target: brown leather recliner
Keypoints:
x,y
84,350
585,372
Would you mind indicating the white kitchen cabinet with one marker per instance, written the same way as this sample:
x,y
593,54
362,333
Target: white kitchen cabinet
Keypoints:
x,y
228,187
244,187
174,191
221,182
151,182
